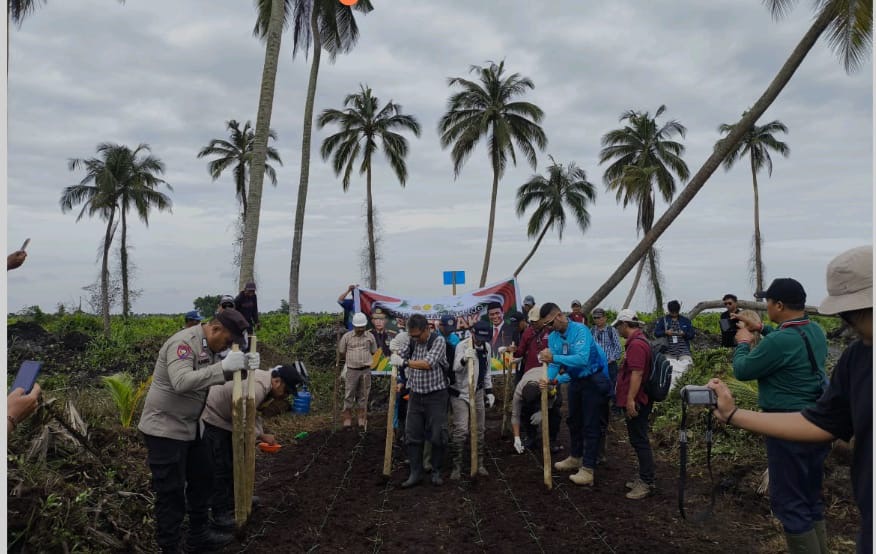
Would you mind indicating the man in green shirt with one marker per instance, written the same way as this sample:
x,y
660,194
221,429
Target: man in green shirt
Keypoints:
x,y
788,365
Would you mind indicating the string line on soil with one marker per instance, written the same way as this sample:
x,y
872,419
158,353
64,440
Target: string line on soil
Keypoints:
x,y
475,520
341,486
561,488
378,527
523,513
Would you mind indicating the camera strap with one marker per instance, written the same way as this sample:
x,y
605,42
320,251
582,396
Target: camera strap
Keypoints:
x,y
682,477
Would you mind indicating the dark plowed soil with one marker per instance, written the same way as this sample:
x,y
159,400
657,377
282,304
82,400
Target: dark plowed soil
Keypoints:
x,y
327,494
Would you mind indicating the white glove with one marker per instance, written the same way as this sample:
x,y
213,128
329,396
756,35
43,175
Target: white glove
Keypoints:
x,y
536,418
399,342
253,360
396,360
503,349
491,399
344,373
470,354
234,361
518,445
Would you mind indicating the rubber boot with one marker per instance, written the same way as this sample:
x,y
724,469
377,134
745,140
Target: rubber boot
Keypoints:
x,y
224,521
204,539
803,543
362,421
600,459
437,461
415,459
456,458
427,457
348,419
482,470
821,533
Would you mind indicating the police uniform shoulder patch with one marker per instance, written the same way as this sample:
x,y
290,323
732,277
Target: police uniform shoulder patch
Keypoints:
x,y
183,351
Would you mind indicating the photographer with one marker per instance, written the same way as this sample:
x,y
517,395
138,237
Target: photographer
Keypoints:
x,y
788,366
845,410
728,326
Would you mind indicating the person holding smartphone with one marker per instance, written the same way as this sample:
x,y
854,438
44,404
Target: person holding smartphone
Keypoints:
x,y
14,260
20,405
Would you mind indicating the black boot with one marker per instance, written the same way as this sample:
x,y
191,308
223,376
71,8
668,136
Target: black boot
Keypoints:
x,y
204,539
224,521
415,458
437,464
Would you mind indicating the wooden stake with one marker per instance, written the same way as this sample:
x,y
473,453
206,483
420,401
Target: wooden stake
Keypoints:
x,y
545,436
390,432
335,381
506,409
238,418
249,439
473,414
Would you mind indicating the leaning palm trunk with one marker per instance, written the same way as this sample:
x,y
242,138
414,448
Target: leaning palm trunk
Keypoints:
x,y
372,253
723,148
632,292
123,252
655,281
298,235
260,144
758,260
534,247
492,223
104,276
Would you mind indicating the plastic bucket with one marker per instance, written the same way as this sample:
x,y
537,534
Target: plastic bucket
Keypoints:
x,y
301,403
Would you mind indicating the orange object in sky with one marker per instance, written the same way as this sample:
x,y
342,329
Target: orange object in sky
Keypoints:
x,y
348,2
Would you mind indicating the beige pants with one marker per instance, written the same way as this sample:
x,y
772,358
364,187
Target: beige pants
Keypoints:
x,y
356,388
459,424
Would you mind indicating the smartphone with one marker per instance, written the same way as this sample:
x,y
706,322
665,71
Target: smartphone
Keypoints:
x,y
24,246
27,375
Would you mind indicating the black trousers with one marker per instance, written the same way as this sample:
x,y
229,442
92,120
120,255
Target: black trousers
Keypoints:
x,y
555,417
427,418
221,451
181,476
637,428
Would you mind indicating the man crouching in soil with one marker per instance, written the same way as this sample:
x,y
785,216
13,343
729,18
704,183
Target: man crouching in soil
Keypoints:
x,y
187,366
272,388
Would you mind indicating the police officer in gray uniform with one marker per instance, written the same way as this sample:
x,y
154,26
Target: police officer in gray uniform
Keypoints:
x,y
186,368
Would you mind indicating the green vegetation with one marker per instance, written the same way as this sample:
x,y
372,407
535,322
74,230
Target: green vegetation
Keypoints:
x,y
125,396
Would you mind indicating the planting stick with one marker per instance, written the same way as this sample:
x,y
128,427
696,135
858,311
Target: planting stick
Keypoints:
x,y
249,439
390,432
545,438
237,443
473,415
335,381
507,385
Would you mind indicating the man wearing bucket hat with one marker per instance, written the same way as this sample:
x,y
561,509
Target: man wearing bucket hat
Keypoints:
x,y
845,410
187,366
357,348
272,389
788,365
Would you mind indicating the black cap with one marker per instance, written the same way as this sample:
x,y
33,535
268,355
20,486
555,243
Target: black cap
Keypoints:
x,y
292,375
482,331
448,321
785,290
516,317
236,324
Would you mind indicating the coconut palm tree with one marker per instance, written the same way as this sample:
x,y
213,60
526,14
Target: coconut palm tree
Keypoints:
x,y
272,34
488,109
849,24
362,125
323,25
237,152
643,156
564,187
756,144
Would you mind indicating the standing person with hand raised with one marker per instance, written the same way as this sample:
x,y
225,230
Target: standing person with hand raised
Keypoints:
x,y
187,366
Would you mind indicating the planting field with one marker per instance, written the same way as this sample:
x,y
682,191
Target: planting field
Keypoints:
x,y
327,494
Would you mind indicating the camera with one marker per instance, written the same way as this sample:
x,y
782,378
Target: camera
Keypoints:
x,y
695,395
727,325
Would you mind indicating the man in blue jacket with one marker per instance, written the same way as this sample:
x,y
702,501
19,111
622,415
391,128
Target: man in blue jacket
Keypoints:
x,y
678,331
574,357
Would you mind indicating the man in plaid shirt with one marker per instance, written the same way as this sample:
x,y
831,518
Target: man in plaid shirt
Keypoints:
x,y
423,366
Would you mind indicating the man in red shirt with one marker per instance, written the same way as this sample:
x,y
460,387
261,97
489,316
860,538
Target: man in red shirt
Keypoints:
x,y
577,314
631,397
532,341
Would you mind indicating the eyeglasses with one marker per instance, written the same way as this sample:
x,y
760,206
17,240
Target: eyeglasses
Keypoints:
x,y
728,303
227,305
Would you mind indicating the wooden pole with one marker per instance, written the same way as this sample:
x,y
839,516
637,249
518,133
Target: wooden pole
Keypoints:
x,y
335,382
390,432
249,439
545,436
237,437
506,409
473,414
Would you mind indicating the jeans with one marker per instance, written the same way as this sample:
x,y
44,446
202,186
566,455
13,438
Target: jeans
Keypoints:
x,y
796,473
427,417
221,451
181,476
588,398
637,429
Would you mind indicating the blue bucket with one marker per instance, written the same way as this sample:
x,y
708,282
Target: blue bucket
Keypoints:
x,y
301,404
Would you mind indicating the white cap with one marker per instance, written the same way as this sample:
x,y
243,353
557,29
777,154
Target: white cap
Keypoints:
x,y
627,315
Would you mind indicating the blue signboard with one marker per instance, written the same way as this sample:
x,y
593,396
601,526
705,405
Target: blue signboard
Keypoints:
x,y
460,277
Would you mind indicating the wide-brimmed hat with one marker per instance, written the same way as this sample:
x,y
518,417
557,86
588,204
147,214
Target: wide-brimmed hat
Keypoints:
x,y
849,281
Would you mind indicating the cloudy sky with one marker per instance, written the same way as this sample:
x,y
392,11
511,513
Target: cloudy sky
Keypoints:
x,y
170,73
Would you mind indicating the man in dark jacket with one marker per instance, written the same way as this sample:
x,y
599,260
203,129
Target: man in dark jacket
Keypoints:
x,y
247,304
728,337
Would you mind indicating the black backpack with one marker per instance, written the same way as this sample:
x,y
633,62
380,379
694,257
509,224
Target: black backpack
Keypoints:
x,y
656,386
446,366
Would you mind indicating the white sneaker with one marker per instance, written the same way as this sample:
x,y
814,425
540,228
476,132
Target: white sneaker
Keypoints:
x,y
569,464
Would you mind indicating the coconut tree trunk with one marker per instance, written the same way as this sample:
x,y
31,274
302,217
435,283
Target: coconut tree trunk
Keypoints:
x,y
655,282
104,276
724,147
298,234
534,247
758,259
632,292
123,251
492,224
372,249
241,186
260,144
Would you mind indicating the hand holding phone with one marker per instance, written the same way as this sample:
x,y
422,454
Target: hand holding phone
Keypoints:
x,y
24,245
26,376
